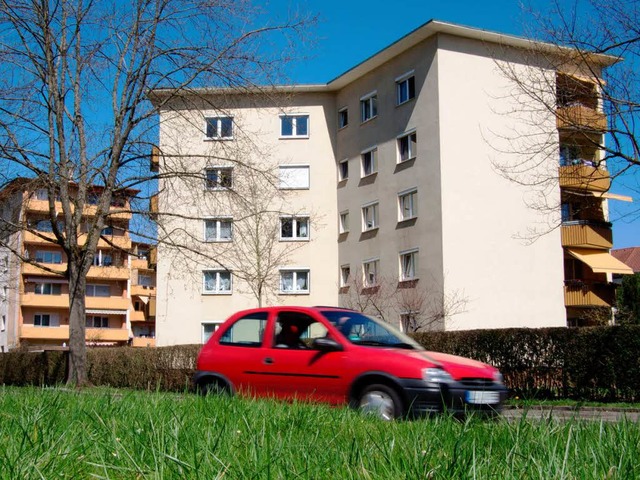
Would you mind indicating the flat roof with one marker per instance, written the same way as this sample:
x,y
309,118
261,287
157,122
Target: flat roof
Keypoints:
x,y
428,29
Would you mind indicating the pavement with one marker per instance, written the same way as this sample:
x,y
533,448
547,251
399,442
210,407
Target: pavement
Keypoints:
x,y
536,412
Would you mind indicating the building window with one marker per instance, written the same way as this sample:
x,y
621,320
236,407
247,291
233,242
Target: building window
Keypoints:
x,y
3,323
94,290
219,128
294,126
102,259
94,321
46,320
145,280
218,178
370,217
44,256
343,117
407,147
344,222
408,265
294,281
405,88
345,275
217,281
218,230
407,205
370,272
369,106
208,329
48,289
369,161
42,194
294,228
107,230
294,177
343,170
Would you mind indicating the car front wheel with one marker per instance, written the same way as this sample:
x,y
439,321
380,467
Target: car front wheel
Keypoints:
x,y
381,401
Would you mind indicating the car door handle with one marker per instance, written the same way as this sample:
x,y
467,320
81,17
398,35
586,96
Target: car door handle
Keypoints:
x,y
268,361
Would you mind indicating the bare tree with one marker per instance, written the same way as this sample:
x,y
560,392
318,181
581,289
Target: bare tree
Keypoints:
x,y
373,297
74,113
576,97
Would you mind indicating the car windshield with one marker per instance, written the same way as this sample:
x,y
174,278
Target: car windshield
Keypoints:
x,y
362,330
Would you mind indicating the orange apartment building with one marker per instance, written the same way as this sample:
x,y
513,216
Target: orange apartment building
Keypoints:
x,y
119,309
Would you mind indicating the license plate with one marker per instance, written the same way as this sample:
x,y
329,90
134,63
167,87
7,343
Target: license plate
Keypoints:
x,y
484,398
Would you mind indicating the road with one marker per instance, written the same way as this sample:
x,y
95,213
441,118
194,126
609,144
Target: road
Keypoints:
x,y
568,413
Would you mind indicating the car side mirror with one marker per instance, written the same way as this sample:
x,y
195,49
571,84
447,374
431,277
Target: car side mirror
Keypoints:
x,y
326,345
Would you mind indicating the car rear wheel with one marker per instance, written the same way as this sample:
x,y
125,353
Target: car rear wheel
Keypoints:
x,y
381,401
213,387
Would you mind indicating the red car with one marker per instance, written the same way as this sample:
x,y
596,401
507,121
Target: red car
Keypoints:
x,y
341,356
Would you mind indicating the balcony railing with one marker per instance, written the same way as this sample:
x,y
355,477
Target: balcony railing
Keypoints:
x,y
61,333
62,301
584,177
143,342
581,294
116,212
143,290
581,117
119,241
587,234
155,159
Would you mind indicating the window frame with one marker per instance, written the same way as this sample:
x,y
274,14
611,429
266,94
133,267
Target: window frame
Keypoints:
x,y
95,288
52,322
295,219
218,185
219,221
295,271
294,125
343,170
101,318
343,222
412,254
216,325
282,168
373,151
343,118
365,272
217,290
412,194
375,218
344,280
43,254
411,146
47,288
409,80
368,104
218,128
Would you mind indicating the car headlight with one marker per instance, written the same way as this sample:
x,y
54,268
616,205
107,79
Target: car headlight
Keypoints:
x,y
497,377
436,376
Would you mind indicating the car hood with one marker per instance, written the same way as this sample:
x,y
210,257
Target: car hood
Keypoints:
x,y
457,367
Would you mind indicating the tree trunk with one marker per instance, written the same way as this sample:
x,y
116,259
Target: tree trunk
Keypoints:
x,y
77,374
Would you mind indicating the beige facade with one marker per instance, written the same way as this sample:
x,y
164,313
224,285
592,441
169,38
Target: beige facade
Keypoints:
x,y
404,196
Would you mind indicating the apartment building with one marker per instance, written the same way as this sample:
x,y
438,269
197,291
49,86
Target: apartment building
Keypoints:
x,y
394,170
35,296
142,290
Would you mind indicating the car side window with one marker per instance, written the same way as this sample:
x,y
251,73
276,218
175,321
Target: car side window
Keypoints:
x,y
247,331
297,331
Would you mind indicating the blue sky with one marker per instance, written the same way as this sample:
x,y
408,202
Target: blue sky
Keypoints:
x,y
349,31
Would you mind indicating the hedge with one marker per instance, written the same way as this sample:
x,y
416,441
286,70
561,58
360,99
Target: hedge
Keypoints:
x,y
597,363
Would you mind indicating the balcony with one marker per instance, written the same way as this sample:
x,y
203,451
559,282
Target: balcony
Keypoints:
x,y
579,294
584,177
108,273
59,268
586,234
143,342
143,290
42,206
61,333
580,117
62,301
154,207
137,316
155,159
139,263
119,241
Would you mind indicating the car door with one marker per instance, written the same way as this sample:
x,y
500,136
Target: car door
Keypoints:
x,y
298,370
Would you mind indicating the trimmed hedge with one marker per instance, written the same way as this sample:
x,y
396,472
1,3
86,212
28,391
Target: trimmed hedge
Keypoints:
x,y
597,363
165,368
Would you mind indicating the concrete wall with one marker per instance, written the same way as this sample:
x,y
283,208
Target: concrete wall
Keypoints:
x,y
182,305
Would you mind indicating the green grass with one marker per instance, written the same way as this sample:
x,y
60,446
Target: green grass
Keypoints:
x,y
126,435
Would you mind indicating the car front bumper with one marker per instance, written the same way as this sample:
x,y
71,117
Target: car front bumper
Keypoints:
x,y
455,397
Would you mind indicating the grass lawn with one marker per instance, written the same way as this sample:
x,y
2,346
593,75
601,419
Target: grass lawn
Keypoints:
x,y
47,433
